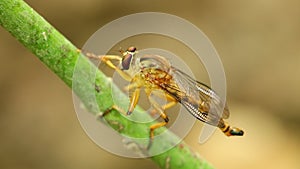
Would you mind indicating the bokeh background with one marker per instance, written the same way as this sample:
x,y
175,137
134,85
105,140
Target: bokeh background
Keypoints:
x,y
258,42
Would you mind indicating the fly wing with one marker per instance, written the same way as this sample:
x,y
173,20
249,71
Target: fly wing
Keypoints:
x,y
199,99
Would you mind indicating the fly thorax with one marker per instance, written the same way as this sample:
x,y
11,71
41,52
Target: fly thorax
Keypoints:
x,y
155,62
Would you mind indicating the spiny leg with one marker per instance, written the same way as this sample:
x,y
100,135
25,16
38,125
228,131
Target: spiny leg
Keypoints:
x,y
107,60
164,107
160,94
157,125
113,107
134,98
157,107
228,130
133,102
134,93
169,105
172,101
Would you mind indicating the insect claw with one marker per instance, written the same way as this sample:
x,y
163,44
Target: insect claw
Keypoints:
x,y
129,113
100,116
149,144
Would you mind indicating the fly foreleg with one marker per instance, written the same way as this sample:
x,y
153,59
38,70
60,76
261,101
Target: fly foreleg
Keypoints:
x,y
107,59
113,107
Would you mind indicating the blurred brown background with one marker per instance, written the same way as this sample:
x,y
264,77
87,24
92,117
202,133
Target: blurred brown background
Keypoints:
x,y
258,42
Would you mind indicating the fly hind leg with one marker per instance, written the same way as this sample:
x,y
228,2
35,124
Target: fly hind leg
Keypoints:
x,y
159,109
155,126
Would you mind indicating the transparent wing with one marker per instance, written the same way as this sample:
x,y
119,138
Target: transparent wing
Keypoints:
x,y
199,99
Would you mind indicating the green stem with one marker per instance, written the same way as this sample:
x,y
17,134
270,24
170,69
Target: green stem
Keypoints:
x,y
61,57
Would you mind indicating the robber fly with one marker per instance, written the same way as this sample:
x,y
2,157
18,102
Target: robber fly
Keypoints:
x,y
155,73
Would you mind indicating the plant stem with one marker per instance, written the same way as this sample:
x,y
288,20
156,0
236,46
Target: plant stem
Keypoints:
x,y
61,57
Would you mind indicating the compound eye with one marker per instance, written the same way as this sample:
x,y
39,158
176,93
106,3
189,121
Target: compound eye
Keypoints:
x,y
131,49
126,61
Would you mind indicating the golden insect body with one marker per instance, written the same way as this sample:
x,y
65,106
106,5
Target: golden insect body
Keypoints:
x,y
154,73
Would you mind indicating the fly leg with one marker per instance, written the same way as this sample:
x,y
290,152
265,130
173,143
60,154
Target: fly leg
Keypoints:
x,y
107,60
134,98
134,94
108,110
169,105
160,110
155,126
171,101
